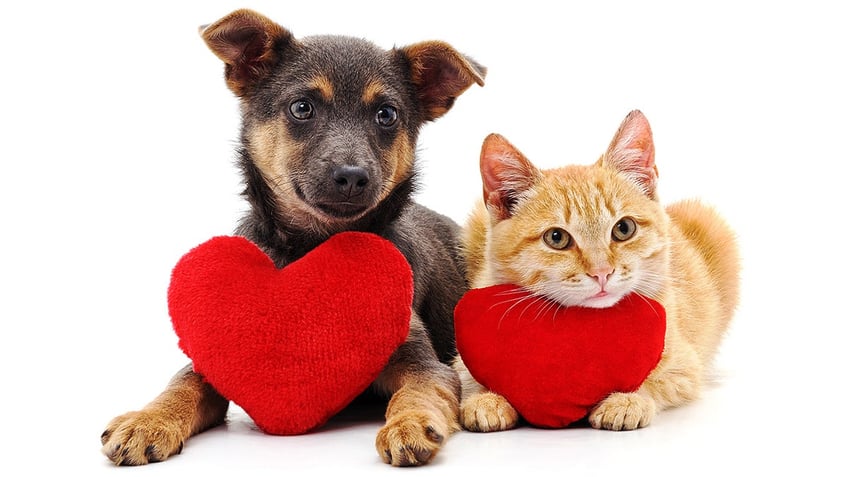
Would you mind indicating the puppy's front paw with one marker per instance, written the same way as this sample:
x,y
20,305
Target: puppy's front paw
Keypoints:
x,y
141,437
487,412
412,438
623,412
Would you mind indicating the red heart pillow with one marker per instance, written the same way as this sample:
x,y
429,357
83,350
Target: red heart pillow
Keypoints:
x,y
291,346
553,364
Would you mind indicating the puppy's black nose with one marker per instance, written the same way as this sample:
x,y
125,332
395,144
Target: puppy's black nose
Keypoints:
x,y
350,180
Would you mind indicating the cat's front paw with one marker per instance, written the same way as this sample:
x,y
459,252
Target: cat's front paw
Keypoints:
x,y
487,412
623,412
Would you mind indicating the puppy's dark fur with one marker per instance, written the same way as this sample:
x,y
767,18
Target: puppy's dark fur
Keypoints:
x,y
329,130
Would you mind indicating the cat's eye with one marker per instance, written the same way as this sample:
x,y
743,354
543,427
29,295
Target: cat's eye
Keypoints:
x,y
302,109
557,238
624,229
387,116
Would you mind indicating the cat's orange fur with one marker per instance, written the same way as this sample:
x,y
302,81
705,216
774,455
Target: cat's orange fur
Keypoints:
x,y
683,255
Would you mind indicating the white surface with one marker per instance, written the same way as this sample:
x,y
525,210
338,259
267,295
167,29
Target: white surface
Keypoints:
x,y
117,149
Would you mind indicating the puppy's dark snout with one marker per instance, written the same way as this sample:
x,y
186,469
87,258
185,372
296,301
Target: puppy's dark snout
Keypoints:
x,y
350,180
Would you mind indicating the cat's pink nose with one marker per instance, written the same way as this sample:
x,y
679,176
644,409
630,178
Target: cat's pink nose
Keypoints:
x,y
601,275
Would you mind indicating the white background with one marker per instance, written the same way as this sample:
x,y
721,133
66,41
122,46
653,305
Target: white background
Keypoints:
x,y
117,157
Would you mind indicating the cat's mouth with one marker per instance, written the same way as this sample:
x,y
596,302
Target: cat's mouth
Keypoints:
x,y
602,299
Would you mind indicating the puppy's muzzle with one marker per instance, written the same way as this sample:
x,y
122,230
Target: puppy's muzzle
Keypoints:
x,y
346,191
351,181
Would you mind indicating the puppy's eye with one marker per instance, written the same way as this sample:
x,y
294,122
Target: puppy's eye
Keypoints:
x,y
302,109
557,238
624,229
387,116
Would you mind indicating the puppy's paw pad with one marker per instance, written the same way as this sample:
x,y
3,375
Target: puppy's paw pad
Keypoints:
x,y
623,412
138,438
487,412
411,439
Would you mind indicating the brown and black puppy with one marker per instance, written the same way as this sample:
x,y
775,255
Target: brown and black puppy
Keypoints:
x,y
329,130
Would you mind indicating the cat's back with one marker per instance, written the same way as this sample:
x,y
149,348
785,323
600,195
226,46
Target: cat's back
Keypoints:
x,y
704,231
474,237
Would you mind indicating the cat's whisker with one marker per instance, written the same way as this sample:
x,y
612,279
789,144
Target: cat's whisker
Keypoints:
x,y
649,303
658,280
551,305
562,296
528,301
544,306
518,298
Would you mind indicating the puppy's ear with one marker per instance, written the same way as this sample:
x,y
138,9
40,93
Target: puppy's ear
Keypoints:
x,y
440,74
507,175
249,44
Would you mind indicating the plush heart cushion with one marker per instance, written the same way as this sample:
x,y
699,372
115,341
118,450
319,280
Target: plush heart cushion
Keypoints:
x,y
291,346
552,363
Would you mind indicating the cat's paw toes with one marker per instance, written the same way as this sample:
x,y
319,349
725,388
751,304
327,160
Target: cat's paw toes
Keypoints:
x,y
623,412
487,412
139,437
412,438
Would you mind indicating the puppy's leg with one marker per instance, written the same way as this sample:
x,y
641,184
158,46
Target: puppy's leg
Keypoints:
x,y
187,406
424,407
482,410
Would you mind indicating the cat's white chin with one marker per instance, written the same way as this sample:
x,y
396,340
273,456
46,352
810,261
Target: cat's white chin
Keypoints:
x,y
601,300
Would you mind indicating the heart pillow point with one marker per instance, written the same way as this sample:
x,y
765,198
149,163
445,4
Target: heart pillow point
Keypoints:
x,y
554,363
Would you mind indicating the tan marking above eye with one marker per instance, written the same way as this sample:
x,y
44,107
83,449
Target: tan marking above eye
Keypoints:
x,y
372,92
324,86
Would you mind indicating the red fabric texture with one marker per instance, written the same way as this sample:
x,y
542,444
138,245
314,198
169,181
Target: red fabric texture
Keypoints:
x,y
552,363
291,346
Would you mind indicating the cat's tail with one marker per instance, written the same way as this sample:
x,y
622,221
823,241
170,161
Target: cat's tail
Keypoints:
x,y
717,243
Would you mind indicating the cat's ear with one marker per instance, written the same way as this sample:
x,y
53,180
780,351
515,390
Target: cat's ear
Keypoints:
x,y
631,153
506,175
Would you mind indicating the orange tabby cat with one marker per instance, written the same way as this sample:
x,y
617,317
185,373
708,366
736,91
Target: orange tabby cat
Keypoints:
x,y
588,235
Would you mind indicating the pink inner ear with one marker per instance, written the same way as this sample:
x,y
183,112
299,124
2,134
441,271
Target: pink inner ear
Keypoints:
x,y
631,152
506,174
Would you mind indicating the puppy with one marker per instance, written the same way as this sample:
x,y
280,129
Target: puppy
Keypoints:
x,y
328,139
